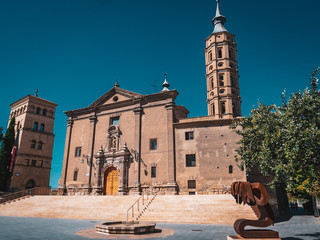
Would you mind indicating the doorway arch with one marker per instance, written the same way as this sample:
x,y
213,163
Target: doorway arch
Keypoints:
x,y
30,184
111,180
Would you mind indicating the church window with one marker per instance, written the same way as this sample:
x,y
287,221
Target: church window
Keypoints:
x,y
211,81
219,52
233,108
27,162
220,64
191,184
44,112
189,135
231,65
40,145
231,79
223,108
41,163
210,68
38,110
210,56
190,160
153,172
230,169
33,144
33,163
75,175
222,91
35,126
153,144
41,127
192,193
115,121
213,110
77,152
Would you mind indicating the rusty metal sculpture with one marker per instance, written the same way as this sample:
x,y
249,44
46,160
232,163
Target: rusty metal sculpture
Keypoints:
x,y
256,196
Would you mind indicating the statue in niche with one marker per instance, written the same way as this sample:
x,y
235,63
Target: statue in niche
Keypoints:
x,y
256,196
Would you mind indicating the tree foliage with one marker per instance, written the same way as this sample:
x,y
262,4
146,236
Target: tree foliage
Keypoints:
x,y
5,155
284,141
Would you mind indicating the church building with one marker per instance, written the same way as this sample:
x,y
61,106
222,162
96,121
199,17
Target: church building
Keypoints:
x,y
128,143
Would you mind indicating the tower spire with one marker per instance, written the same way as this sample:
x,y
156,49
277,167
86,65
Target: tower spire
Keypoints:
x,y
165,84
219,21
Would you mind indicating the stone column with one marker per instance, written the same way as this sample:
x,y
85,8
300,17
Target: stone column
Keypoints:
x,y
92,133
136,187
62,187
171,185
97,189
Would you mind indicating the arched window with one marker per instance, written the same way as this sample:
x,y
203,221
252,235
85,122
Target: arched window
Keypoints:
x,y
222,91
40,145
231,79
219,53
213,110
230,169
38,110
33,143
41,127
223,108
44,112
75,175
210,56
35,126
233,108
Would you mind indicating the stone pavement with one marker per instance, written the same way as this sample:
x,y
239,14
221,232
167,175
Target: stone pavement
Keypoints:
x,y
300,227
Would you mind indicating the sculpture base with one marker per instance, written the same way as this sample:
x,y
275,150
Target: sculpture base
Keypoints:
x,y
242,238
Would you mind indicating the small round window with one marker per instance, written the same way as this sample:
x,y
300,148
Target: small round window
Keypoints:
x,y
115,98
222,91
220,64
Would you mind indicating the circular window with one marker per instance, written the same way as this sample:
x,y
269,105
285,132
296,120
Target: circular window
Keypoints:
x,y
222,91
210,68
220,64
115,98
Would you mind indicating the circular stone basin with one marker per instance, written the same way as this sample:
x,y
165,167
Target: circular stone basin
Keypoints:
x,y
125,227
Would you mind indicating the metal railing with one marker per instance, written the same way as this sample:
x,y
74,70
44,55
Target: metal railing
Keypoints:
x,y
28,192
140,203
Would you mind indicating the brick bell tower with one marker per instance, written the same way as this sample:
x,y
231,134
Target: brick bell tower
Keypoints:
x,y
223,93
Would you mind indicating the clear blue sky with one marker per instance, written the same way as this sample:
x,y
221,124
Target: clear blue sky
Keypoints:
x,y
74,50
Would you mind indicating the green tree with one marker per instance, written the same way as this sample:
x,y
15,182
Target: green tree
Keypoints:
x,y
284,141
5,155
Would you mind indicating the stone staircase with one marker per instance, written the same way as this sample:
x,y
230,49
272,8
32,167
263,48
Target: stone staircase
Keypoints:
x,y
199,209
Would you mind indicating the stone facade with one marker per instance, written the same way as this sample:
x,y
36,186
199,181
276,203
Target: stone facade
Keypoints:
x,y
126,143
34,142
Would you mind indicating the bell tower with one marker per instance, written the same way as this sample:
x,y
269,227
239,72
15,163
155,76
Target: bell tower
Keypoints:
x,y
223,93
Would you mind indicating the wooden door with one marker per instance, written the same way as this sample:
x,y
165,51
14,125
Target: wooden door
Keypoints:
x,y
111,181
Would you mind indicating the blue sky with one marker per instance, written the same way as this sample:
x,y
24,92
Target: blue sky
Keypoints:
x,y
74,51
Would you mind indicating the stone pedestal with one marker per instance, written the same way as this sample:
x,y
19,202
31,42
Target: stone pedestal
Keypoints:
x,y
171,189
242,238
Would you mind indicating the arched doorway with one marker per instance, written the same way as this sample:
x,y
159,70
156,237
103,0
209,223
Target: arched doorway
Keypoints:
x,y
30,184
111,178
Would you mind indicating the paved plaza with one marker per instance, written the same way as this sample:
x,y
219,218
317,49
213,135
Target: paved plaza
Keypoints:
x,y
13,228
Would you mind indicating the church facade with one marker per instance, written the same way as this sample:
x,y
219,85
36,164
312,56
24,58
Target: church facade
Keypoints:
x,y
128,143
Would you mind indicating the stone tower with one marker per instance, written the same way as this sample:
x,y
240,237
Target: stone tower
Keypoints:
x,y
34,142
223,94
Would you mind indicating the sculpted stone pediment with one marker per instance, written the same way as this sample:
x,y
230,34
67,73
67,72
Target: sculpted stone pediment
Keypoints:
x,y
115,95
